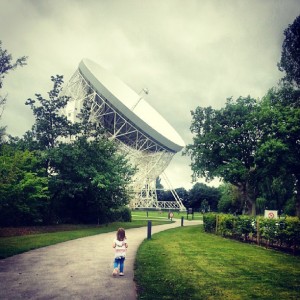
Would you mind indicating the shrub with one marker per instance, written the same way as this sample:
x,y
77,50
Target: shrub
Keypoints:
x,y
209,222
225,224
245,225
280,232
122,214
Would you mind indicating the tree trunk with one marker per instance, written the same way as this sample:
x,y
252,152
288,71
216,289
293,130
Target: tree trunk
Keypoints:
x,y
249,198
242,191
253,207
298,198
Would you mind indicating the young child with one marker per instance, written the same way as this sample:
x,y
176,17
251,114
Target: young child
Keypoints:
x,y
120,245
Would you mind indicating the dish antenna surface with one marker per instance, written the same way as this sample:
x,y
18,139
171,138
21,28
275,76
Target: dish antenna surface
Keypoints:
x,y
141,132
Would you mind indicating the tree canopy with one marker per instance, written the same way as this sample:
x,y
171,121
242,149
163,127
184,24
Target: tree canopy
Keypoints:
x,y
48,177
24,196
6,65
89,178
225,144
203,198
290,55
50,124
279,152
254,144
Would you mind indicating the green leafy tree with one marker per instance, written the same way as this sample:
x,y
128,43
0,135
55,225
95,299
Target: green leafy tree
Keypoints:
x,y
51,125
225,144
26,142
279,154
165,195
90,179
290,55
24,197
230,199
203,197
2,135
276,191
183,194
44,179
87,177
6,65
87,125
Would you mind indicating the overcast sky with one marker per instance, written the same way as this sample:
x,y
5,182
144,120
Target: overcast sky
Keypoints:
x,y
187,53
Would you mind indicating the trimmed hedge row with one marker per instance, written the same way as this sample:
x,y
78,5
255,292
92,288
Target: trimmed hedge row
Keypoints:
x,y
283,233
122,214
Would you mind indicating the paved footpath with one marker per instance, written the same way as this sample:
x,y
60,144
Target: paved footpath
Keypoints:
x,y
77,269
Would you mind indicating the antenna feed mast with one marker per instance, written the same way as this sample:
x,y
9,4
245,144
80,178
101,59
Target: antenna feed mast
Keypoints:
x,y
146,91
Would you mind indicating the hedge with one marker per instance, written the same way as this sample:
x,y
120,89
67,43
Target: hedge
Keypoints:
x,y
122,214
282,233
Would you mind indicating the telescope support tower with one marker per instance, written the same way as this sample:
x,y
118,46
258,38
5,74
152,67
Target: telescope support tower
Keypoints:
x,y
149,156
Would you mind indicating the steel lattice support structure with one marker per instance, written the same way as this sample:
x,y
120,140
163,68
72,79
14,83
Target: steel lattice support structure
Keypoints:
x,y
146,154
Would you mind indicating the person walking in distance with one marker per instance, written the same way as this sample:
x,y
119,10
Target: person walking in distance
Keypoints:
x,y
120,245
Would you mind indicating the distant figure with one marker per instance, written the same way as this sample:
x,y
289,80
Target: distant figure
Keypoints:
x,y
120,245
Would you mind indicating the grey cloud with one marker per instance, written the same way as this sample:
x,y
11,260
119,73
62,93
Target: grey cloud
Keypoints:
x,y
188,54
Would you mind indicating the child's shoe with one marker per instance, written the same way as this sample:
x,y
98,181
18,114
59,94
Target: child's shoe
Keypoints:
x,y
115,272
121,274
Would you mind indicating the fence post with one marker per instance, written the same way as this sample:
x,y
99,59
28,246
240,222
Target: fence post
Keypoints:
x,y
258,232
182,218
149,230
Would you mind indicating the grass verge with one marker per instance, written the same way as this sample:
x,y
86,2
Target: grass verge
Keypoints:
x,y
18,244
163,214
187,263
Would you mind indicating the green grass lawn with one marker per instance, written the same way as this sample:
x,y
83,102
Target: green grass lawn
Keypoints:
x,y
163,214
18,244
187,263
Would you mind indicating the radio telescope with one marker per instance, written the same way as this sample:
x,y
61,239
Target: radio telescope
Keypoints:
x,y
149,141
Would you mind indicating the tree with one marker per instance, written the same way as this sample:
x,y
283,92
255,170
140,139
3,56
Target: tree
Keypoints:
x,y
90,179
279,154
203,197
165,195
276,190
7,65
230,200
183,195
225,144
290,55
2,134
24,197
50,124
26,142
87,177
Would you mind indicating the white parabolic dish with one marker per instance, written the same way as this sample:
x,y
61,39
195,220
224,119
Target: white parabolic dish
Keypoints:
x,y
131,105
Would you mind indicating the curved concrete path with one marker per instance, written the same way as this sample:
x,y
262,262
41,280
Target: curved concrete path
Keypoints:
x,y
77,269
